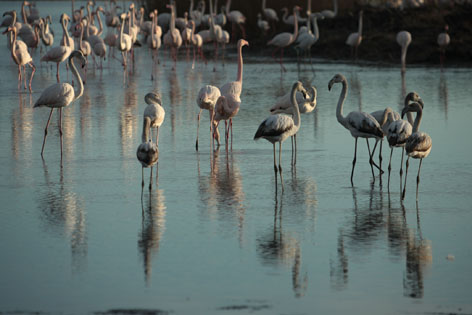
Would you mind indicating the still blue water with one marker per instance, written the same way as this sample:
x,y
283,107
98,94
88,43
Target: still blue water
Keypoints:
x,y
213,236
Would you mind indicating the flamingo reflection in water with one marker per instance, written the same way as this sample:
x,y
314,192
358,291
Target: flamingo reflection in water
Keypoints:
x,y
152,228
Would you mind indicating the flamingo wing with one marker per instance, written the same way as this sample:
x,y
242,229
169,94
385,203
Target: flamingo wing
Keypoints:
x,y
56,95
364,123
274,126
417,143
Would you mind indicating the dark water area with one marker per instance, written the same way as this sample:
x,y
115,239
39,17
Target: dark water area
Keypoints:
x,y
215,236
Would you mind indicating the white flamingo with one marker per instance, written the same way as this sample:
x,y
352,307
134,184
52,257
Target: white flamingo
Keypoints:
x,y
404,40
306,40
418,145
227,105
60,95
236,18
66,39
277,128
331,14
147,152
60,53
124,41
261,24
154,39
285,39
155,112
172,38
46,36
360,124
206,99
290,19
443,41
20,55
197,42
269,13
355,39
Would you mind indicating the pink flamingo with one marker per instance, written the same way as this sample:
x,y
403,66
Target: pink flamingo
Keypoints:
x,y
21,57
285,39
227,105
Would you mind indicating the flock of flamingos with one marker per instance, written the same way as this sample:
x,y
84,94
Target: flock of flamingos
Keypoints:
x,y
223,102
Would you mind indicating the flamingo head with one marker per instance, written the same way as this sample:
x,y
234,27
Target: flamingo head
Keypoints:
x,y
153,98
413,97
123,16
336,79
9,13
242,43
412,107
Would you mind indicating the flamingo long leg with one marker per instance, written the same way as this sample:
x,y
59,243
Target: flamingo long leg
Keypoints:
x,y
371,161
46,131
354,161
60,127
389,168
280,165
418,179
406,175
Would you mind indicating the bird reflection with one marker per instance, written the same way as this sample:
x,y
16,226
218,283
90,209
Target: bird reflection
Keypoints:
x,y
175,96
22,130
276,247
443,93
62,211
418,260
222,191
403,91
84,117
152,228
356,89
397,230
339,268
129,119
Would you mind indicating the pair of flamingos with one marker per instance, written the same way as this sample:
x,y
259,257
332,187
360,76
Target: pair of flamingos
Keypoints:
x,y
223,103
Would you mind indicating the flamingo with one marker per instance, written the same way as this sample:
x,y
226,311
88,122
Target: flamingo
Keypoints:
x,y
60,95
355,39
60,53
227,105
263,25
21,57
392,118
206,99
84,46
147,152
418,145
306,104
197,43
269,13
360,124
172,38
124,41
155,112
13,22
46,36
236,18
404,40
66,39
306,40
289,19
216,34
331,14
277,128
443,40
154,39
285,39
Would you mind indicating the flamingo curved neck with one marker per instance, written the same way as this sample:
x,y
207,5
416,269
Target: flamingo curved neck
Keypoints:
x,y
100,25
295,30
316,31
342,97
296,110
313,96
146,128
360,25
120,40
409,115
13,44
240,64
81,37
228,5
23,13
77,78
416,125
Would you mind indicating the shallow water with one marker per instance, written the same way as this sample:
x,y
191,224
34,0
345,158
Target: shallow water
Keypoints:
x,y
213,236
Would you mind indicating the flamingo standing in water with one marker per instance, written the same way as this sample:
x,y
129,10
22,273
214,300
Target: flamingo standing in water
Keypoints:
x,y
155,112
172,38
227,105
285,39
207,97
20,55
277,128
60,95
404,40
124,42
360,124
147,152
418,145
443,40
355,39
60,53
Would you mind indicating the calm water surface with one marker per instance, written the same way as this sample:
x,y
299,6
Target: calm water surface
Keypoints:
x,y
213,237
